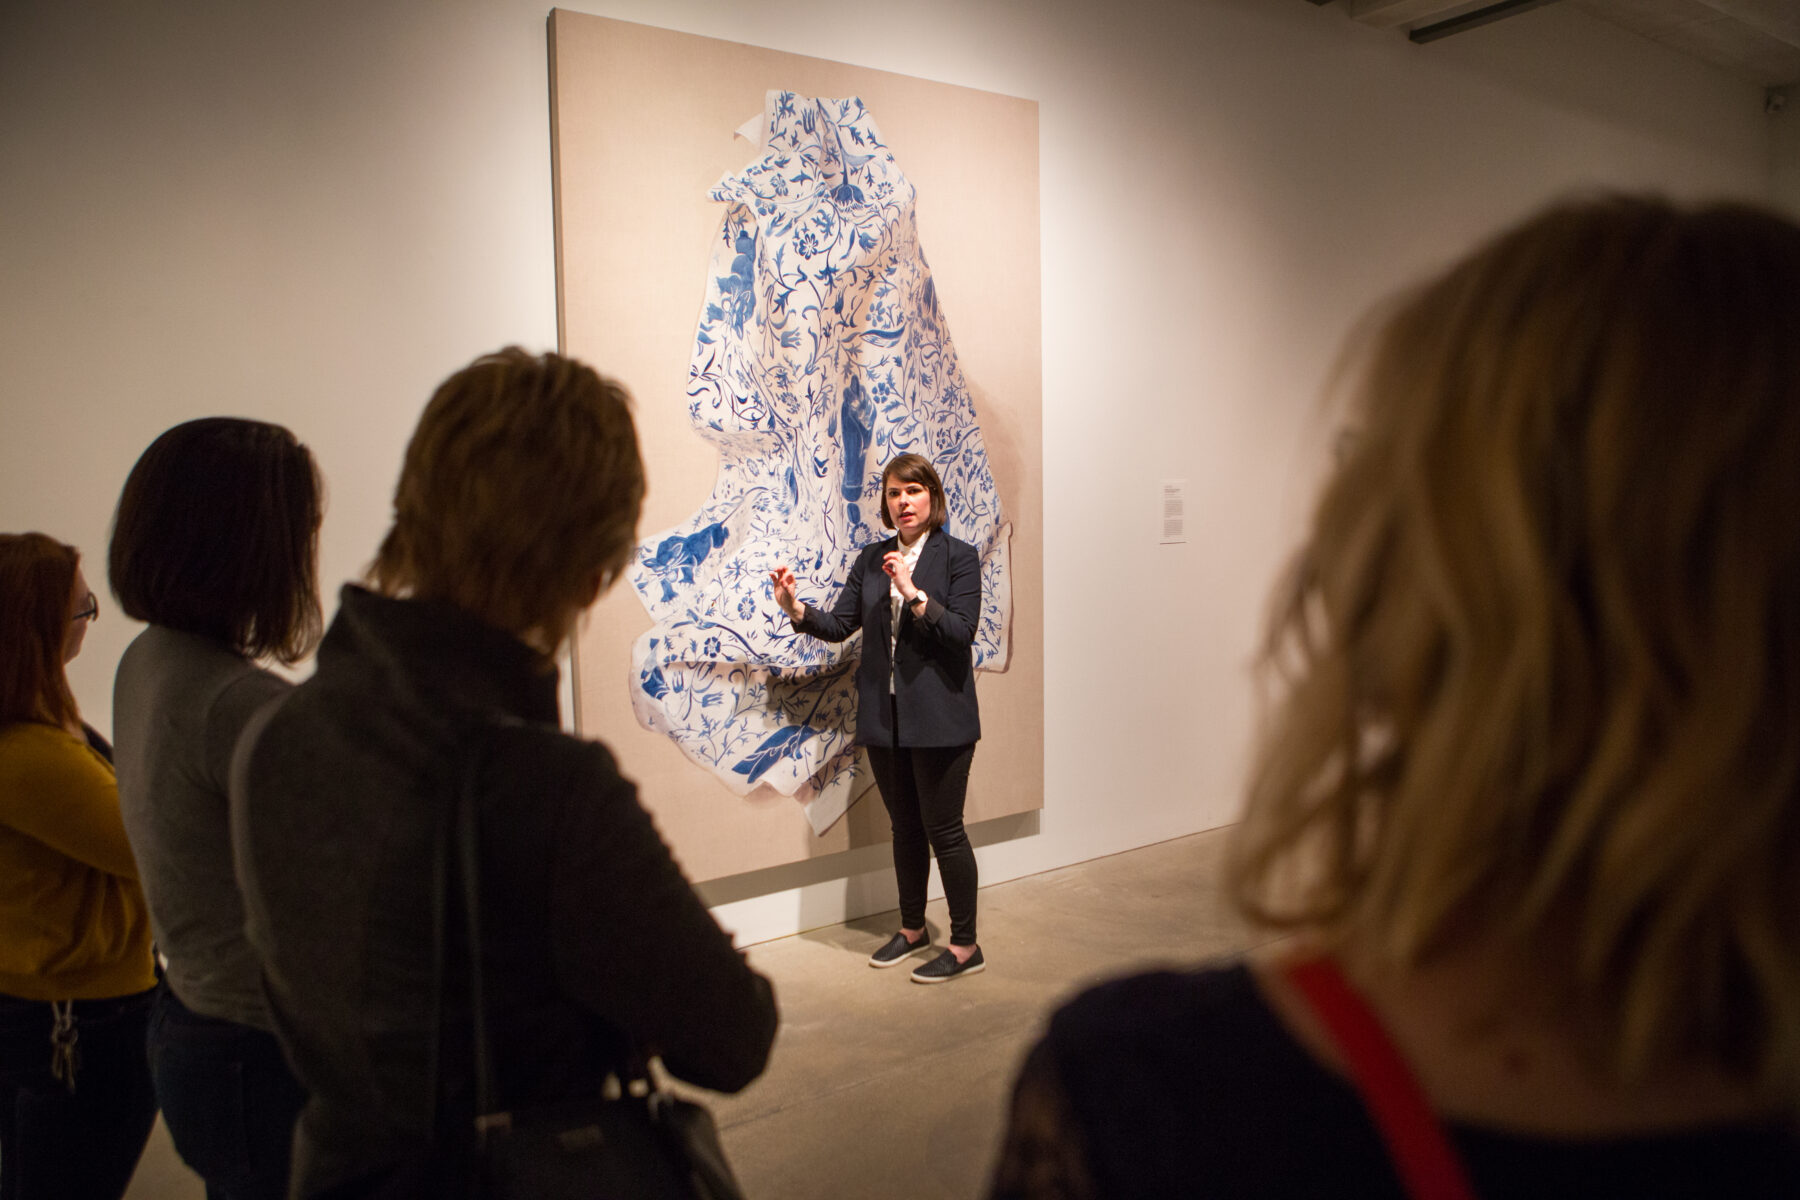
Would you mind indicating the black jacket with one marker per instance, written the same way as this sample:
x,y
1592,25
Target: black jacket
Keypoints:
x,y
933,668
593,939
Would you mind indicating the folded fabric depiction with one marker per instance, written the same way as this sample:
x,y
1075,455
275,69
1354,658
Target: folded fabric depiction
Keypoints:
x,y
821,353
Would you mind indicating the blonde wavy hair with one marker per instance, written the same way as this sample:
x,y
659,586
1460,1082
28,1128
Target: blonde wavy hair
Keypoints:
x,y
1538,659
519,493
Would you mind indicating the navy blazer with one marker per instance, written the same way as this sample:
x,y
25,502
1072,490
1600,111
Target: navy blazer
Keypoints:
x,y
934,670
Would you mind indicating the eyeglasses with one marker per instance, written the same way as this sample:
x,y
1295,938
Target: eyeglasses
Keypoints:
x,y
90,610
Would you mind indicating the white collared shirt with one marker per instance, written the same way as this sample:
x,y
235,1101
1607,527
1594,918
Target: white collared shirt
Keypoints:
x,y
910,556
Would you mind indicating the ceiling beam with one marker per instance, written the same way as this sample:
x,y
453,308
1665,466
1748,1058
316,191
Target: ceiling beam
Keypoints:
x,y
1780,19
1474,20
1388,13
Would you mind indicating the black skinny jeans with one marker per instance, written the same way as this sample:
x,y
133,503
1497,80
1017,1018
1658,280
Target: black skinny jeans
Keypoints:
x,y
923,788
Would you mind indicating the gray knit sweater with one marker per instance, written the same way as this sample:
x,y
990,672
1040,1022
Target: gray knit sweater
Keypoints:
x,y
180,701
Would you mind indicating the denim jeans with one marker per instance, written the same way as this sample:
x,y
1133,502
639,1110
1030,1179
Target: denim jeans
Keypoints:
x,y
58,1144
228,1098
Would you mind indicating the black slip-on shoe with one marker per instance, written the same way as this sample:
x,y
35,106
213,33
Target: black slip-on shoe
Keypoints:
x,y
944,968
898,949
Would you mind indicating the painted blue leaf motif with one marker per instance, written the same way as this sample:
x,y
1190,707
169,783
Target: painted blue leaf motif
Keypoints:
x,y
653,684
820,352
777,746
859,422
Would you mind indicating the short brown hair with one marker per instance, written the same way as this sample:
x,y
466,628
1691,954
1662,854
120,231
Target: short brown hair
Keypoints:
x,y
37,587
217,534
915,468
521,482
1540,652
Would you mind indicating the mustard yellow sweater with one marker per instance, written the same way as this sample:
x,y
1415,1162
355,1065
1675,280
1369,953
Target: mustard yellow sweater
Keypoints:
x,y
73,923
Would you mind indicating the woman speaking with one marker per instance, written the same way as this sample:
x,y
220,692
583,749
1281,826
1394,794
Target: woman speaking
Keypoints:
x,y
917,599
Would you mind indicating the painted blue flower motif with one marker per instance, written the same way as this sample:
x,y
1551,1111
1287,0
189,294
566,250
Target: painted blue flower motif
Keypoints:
x,y
737,291
821,352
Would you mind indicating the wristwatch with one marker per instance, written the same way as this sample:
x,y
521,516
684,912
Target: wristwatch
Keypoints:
x,y
918,598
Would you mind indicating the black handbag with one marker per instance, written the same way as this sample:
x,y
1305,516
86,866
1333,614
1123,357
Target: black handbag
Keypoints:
x,y
642,1143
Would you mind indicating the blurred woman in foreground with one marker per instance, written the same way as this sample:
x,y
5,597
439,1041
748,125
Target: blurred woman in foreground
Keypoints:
x,y
76,1103
1530,806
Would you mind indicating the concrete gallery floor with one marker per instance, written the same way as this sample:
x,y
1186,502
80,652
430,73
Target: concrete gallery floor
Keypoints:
x,y
872,1070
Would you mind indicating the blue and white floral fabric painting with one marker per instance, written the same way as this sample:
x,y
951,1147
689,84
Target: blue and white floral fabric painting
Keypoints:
x,y
821,353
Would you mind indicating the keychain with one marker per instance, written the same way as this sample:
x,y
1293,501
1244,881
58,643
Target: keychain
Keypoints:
x,y
64,1057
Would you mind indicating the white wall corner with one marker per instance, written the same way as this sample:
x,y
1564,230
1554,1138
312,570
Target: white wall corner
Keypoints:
x,y
1784,150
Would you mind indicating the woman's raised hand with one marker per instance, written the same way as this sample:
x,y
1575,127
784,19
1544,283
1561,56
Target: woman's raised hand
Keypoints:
x,y
782,581
894,563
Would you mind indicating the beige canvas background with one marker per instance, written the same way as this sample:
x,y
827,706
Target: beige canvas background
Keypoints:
x,y
642,127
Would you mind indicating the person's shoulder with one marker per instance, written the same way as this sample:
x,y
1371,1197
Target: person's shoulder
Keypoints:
x,y
173,662
161,646
37,738
562,788
51,741
36,757
1148,1059
1161,1002
242,686
1175,1025
555,754
956,546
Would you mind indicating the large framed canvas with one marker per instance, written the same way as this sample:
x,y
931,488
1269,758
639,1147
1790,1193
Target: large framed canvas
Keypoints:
x,y
799,268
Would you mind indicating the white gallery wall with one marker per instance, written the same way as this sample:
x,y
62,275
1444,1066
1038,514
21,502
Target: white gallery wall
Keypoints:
x,y
1784,152
311,212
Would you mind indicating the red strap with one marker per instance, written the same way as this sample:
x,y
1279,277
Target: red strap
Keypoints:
x,y
1423,1156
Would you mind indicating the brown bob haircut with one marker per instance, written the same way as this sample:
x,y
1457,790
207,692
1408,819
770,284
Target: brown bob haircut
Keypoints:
x,y
520,491
1539,657
915,468
217,534
37,591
